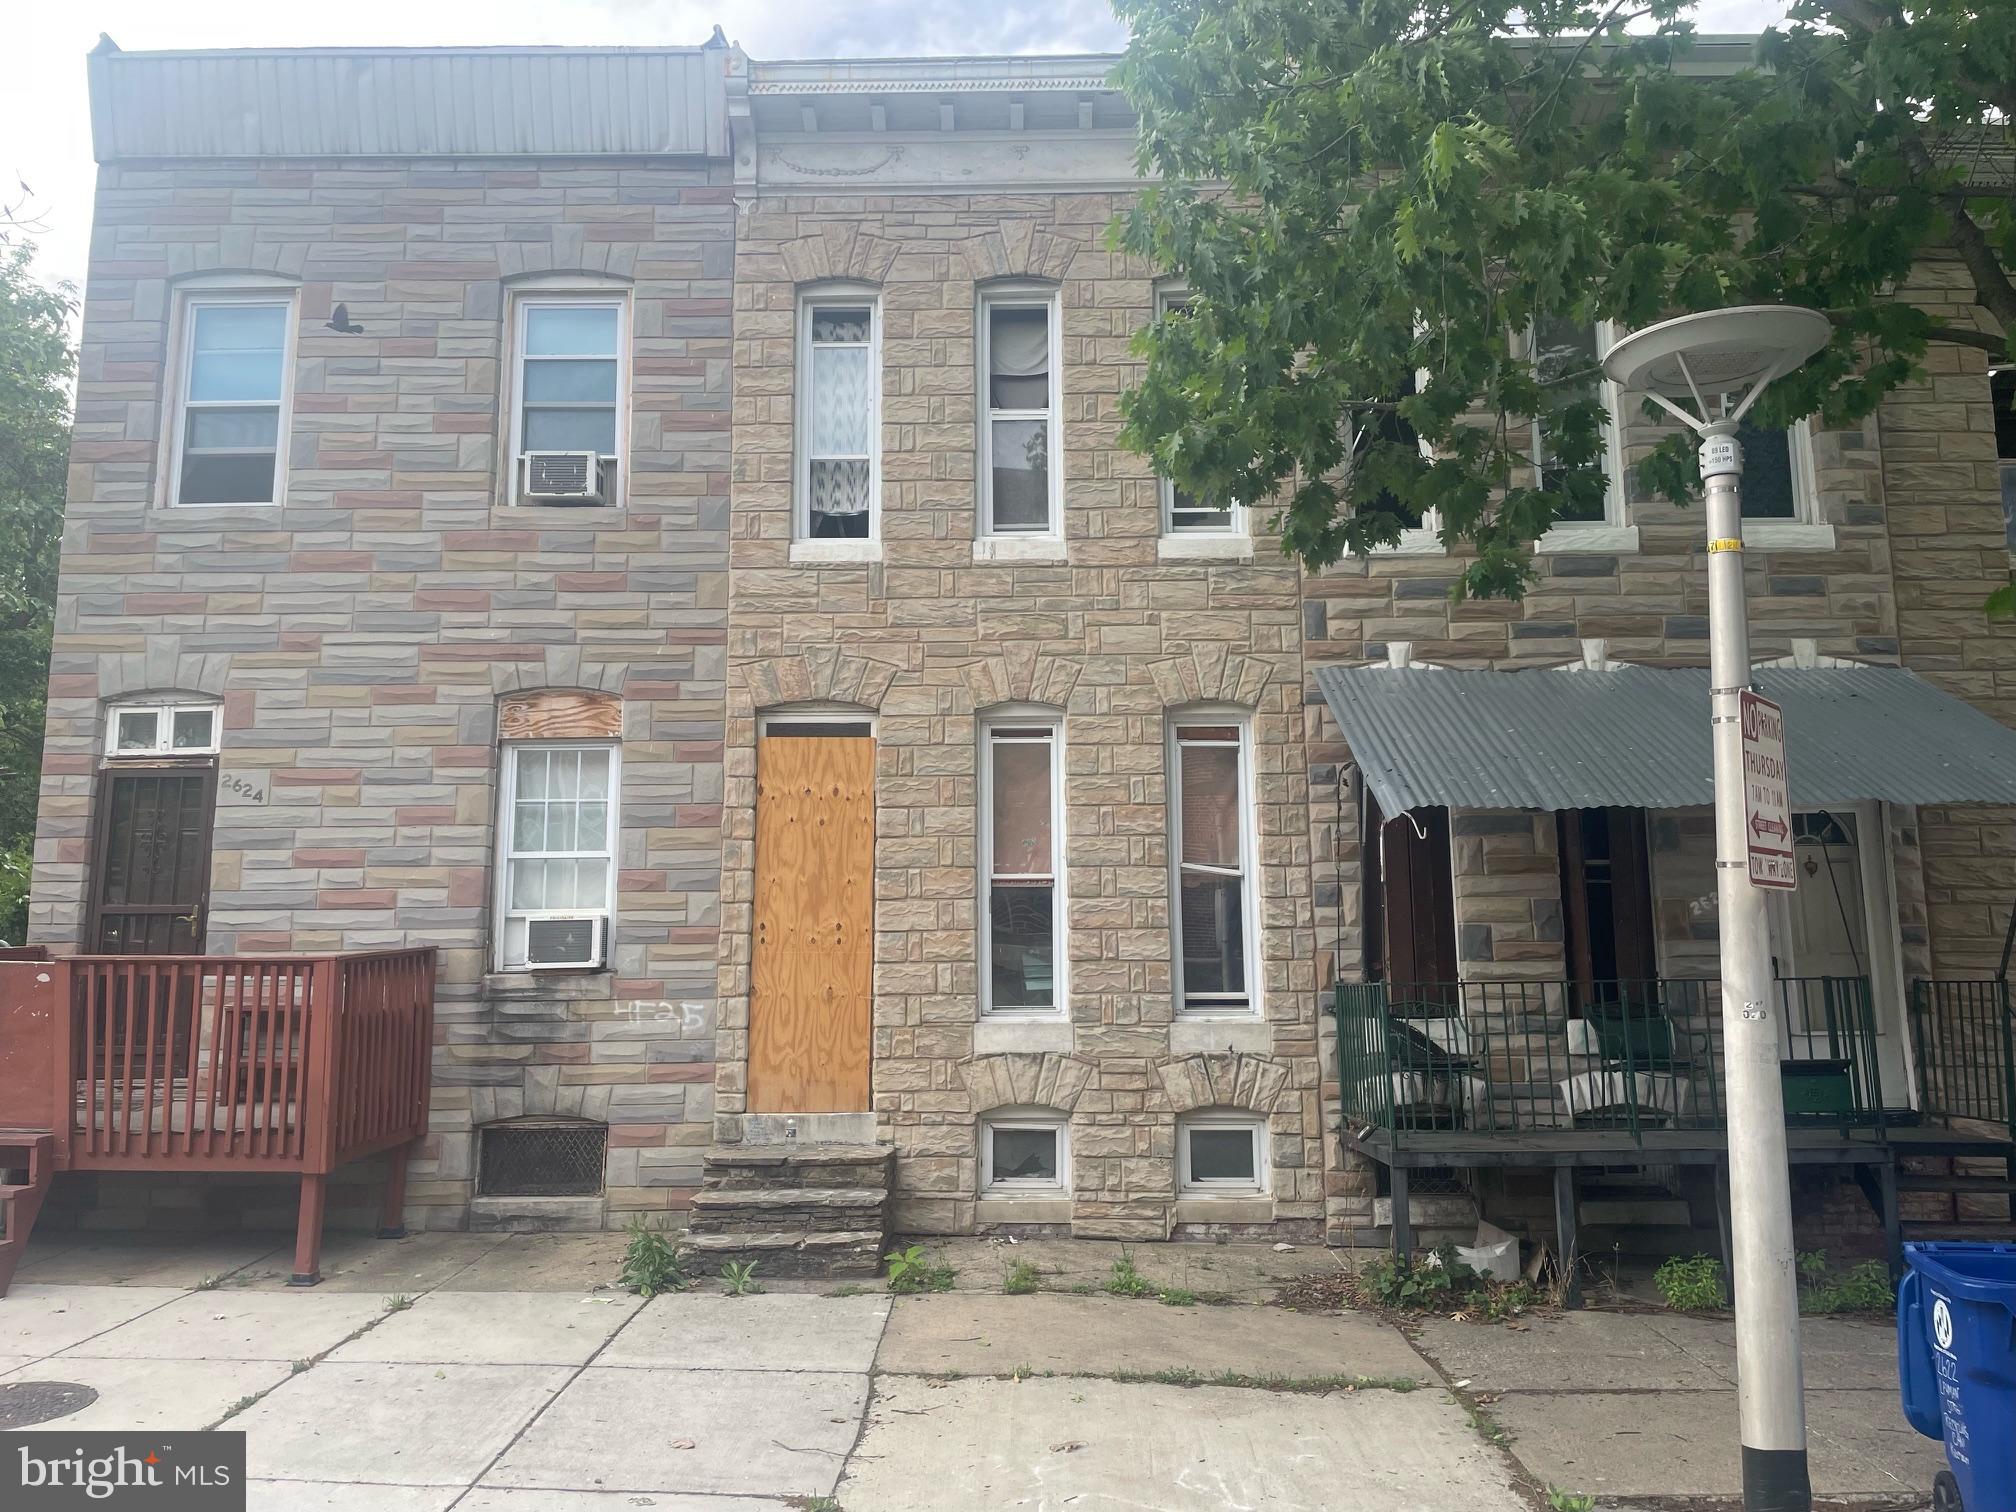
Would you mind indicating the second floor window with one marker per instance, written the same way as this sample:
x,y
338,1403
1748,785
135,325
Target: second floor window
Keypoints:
x,y
1184,513
839,408
569,385
1018,364
1021,814
1777,484
1566,356
1214,893
231,429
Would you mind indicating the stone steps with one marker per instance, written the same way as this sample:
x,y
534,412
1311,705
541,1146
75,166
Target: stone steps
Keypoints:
x,y
794,1209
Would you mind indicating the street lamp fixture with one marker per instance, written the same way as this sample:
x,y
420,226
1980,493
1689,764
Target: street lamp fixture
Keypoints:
x,y
1705,360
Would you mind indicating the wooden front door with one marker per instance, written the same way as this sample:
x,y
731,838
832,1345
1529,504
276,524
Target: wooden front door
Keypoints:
x,y
150,886
812,966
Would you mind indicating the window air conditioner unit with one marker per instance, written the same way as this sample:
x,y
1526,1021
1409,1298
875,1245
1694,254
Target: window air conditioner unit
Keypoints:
x,y
560,944
562,477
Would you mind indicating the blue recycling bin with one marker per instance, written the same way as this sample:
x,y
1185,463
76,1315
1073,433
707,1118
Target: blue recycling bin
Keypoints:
x,y
1956,1367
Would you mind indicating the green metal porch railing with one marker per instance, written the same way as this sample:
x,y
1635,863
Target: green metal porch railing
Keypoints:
x,y
1962,1037
1524,1057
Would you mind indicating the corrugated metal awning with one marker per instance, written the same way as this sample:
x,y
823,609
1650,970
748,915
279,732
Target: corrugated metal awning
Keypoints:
x,y
1637,737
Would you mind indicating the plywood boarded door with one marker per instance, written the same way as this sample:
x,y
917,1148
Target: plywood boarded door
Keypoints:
x,y
812,966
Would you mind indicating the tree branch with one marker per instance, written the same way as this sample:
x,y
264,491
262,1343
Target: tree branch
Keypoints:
x,y
1994,346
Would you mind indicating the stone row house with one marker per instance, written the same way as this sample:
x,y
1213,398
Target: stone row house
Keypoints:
x,y
651,526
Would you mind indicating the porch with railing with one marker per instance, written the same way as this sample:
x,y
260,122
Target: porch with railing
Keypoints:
x,y
290,1065
1961,1039
1622,1058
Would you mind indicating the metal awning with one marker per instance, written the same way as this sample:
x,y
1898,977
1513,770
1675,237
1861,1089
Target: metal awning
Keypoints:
x,y
1637,737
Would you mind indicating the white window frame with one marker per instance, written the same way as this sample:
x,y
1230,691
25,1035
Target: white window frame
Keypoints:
x,y
1805,531
803,546
1614,532
523,301
164,727
1024,296
1424,539
502,852
1249,855
1018,717
1169,296
237,291
1031,1119
1251,1123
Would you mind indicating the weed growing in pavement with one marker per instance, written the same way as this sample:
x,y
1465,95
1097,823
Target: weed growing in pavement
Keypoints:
x,y
1690,1283
653,1262
849,1289
398,1302
813,1503
1860,1288
1021,1279
1487,1427
301,1365
1436,1283
1126,1281
740,1278
1569,1501
911,1271
1176,1296
210,1283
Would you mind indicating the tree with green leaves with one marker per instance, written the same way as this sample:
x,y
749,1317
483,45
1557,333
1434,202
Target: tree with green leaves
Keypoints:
x,y
36,363
1383,208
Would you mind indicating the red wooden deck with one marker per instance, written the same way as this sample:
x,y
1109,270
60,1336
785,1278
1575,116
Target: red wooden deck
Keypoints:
x,y
284,1064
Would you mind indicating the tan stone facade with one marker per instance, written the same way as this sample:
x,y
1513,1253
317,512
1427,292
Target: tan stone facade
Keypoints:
x,y
928,637
359,635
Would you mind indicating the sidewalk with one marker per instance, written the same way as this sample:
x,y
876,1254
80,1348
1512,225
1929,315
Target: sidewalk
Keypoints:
x,y
500,1374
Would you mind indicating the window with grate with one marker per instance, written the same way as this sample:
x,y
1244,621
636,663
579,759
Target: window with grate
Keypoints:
x,y
541,1157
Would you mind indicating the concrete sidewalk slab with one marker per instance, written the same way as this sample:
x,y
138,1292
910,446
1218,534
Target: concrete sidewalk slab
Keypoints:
x,y
321,1496
38,1320
1095,1446
412,1425
1846,1354
546,1262
385,1267
1683,1443
1580,1351
234,1325
150,1261
495,1328
696,1331
977,1334
177,1396
1250,1271
482,1500
748,1433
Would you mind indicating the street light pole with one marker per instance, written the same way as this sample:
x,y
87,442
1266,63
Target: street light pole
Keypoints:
x,y
1769,1376
1692,358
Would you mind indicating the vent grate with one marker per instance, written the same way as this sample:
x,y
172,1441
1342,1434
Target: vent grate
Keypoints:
x,y
541,1157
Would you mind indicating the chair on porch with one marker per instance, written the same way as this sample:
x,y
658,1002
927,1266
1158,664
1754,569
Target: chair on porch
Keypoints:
x,y
1645,1065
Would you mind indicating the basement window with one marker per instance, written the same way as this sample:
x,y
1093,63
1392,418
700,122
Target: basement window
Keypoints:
x,y
541,1157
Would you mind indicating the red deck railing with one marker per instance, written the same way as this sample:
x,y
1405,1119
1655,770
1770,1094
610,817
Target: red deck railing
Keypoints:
x,y
291,1063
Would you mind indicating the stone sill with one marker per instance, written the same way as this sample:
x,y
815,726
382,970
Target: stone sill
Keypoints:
x,y
1032,549
1788,535
1224,1210
541,1215
1412,543
1588,536
571,986
552,516
1008,1036
1215,1036
1022,1210
812,553
1206,548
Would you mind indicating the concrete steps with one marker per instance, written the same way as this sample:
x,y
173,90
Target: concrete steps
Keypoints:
x,y
794,1209
1965,1196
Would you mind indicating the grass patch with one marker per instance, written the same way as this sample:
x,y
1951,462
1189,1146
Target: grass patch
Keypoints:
x,y
1863,1288
653,1262
1021,1279
1176,1296
912,1272
1126,1281
1690,1283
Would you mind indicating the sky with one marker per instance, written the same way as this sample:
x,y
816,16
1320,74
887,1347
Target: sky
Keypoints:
x,y
45,128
